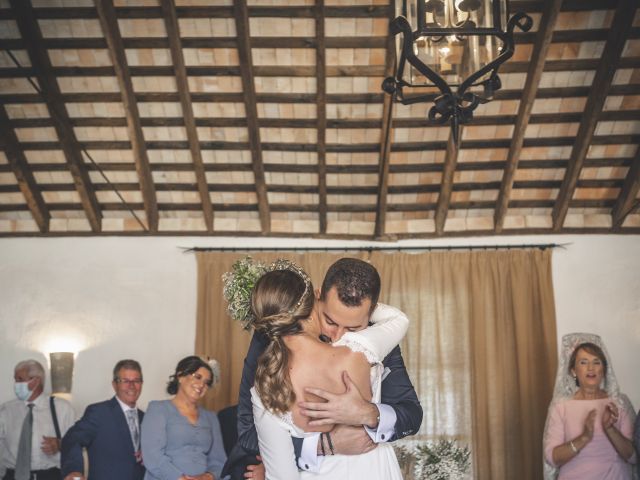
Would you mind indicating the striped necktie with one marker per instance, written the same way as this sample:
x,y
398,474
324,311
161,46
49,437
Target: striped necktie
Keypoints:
x,y
23,459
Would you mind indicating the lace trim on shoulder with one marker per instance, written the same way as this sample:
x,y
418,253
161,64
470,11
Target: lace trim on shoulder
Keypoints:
x,y
357,347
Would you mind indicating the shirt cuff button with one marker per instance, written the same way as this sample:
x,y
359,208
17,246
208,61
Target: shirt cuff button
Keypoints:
x,y
382,436
306,467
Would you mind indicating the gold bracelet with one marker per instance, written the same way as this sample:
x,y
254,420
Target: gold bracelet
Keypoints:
x,y
573,447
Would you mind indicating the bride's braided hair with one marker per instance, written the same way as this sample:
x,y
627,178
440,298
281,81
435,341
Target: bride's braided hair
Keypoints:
x,y
280,301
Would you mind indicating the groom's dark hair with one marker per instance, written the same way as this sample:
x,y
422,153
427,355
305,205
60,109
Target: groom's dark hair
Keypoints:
x,y
355,280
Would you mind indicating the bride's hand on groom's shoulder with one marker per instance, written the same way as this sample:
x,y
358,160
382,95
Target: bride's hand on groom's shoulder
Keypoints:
x,y
349,440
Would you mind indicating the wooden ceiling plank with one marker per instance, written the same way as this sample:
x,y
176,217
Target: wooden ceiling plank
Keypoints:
x,y
618,33
111,31
536,67
386,131
444,198
31,34
20,167
321,113
175,44
253,127
627,199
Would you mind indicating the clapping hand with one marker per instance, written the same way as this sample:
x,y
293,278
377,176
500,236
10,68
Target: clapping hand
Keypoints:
x,y
589,425
610,416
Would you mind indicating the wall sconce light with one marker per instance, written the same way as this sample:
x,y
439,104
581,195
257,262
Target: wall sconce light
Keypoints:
x,y
61,371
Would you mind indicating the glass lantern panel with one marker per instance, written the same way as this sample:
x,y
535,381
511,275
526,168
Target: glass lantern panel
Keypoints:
x,y
453,58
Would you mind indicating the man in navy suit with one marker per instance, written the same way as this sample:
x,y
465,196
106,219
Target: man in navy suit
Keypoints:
x,y
346,302
110,431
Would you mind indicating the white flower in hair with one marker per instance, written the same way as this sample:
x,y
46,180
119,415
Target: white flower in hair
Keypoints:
x,y
215,368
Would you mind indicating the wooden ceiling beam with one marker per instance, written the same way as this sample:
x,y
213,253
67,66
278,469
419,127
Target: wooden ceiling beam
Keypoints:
x,y
67,141
111,31
337,147
248,86
338,123
444,198
298,70
173,33
20,168
337,98
628,199
386,139
536,67
608,63
321,114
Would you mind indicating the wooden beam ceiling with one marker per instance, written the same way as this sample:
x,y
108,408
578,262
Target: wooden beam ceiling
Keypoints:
x,y
111,30
30,31
536,67
619,30
253,127
20,168
628,198
446,185
173,32
386,139
321,113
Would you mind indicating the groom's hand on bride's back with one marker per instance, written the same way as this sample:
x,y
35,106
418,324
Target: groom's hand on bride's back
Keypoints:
x,y
350,440
349,408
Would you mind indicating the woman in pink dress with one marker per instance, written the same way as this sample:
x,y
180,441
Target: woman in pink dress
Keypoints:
x,y
589,423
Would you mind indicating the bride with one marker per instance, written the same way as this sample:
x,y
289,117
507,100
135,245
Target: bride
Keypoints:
x,y
283,307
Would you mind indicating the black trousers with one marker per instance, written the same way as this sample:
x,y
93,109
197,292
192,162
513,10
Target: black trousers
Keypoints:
x,y
49,474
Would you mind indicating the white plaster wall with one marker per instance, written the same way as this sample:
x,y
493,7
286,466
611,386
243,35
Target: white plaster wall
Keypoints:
x,y
109,298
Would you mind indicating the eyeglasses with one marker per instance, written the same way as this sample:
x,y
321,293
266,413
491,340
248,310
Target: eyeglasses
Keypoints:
x,y
208,382
126,381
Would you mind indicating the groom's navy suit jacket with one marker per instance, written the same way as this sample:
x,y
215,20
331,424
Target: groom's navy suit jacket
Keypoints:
x,y
397,392
104,432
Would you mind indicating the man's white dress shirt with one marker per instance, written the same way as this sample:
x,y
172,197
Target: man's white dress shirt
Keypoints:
x,y
12,416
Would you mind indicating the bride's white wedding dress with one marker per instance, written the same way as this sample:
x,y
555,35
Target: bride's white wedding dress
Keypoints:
x,y
275,431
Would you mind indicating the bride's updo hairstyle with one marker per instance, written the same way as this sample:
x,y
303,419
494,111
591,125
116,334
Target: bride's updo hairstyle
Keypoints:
x,y
281,300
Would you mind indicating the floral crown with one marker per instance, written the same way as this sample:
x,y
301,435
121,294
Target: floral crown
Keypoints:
x,y
241,280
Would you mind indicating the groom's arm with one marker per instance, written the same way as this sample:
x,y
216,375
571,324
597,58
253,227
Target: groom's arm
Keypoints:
x,y
399,394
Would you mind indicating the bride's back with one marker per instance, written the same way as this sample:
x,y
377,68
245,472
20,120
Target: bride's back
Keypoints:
x,y
315,364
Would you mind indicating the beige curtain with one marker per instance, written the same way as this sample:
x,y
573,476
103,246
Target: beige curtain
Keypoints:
x,y
481,349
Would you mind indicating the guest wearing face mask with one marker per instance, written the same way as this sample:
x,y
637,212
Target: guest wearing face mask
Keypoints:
x,y
31,427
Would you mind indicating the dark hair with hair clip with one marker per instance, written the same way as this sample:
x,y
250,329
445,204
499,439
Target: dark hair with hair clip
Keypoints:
x,y
187,366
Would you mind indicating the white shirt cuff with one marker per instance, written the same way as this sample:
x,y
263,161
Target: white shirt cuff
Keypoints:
x,y
386,425
309,460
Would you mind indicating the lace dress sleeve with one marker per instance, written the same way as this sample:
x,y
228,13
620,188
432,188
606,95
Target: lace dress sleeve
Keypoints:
x,y
389,326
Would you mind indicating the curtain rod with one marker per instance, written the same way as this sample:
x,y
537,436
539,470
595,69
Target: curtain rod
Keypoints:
x,y
541,246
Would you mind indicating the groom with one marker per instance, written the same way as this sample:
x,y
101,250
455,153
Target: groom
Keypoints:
x,y
347,300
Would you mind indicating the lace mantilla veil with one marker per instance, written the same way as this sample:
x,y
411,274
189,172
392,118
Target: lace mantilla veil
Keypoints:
x,y
565,386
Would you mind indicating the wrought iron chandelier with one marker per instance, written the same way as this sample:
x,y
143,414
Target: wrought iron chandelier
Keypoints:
x,y
455,46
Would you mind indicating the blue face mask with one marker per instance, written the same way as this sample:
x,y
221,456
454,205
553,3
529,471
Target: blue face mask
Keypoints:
x,y
22,390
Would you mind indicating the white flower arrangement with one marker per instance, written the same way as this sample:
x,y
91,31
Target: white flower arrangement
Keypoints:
x,y
440,460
